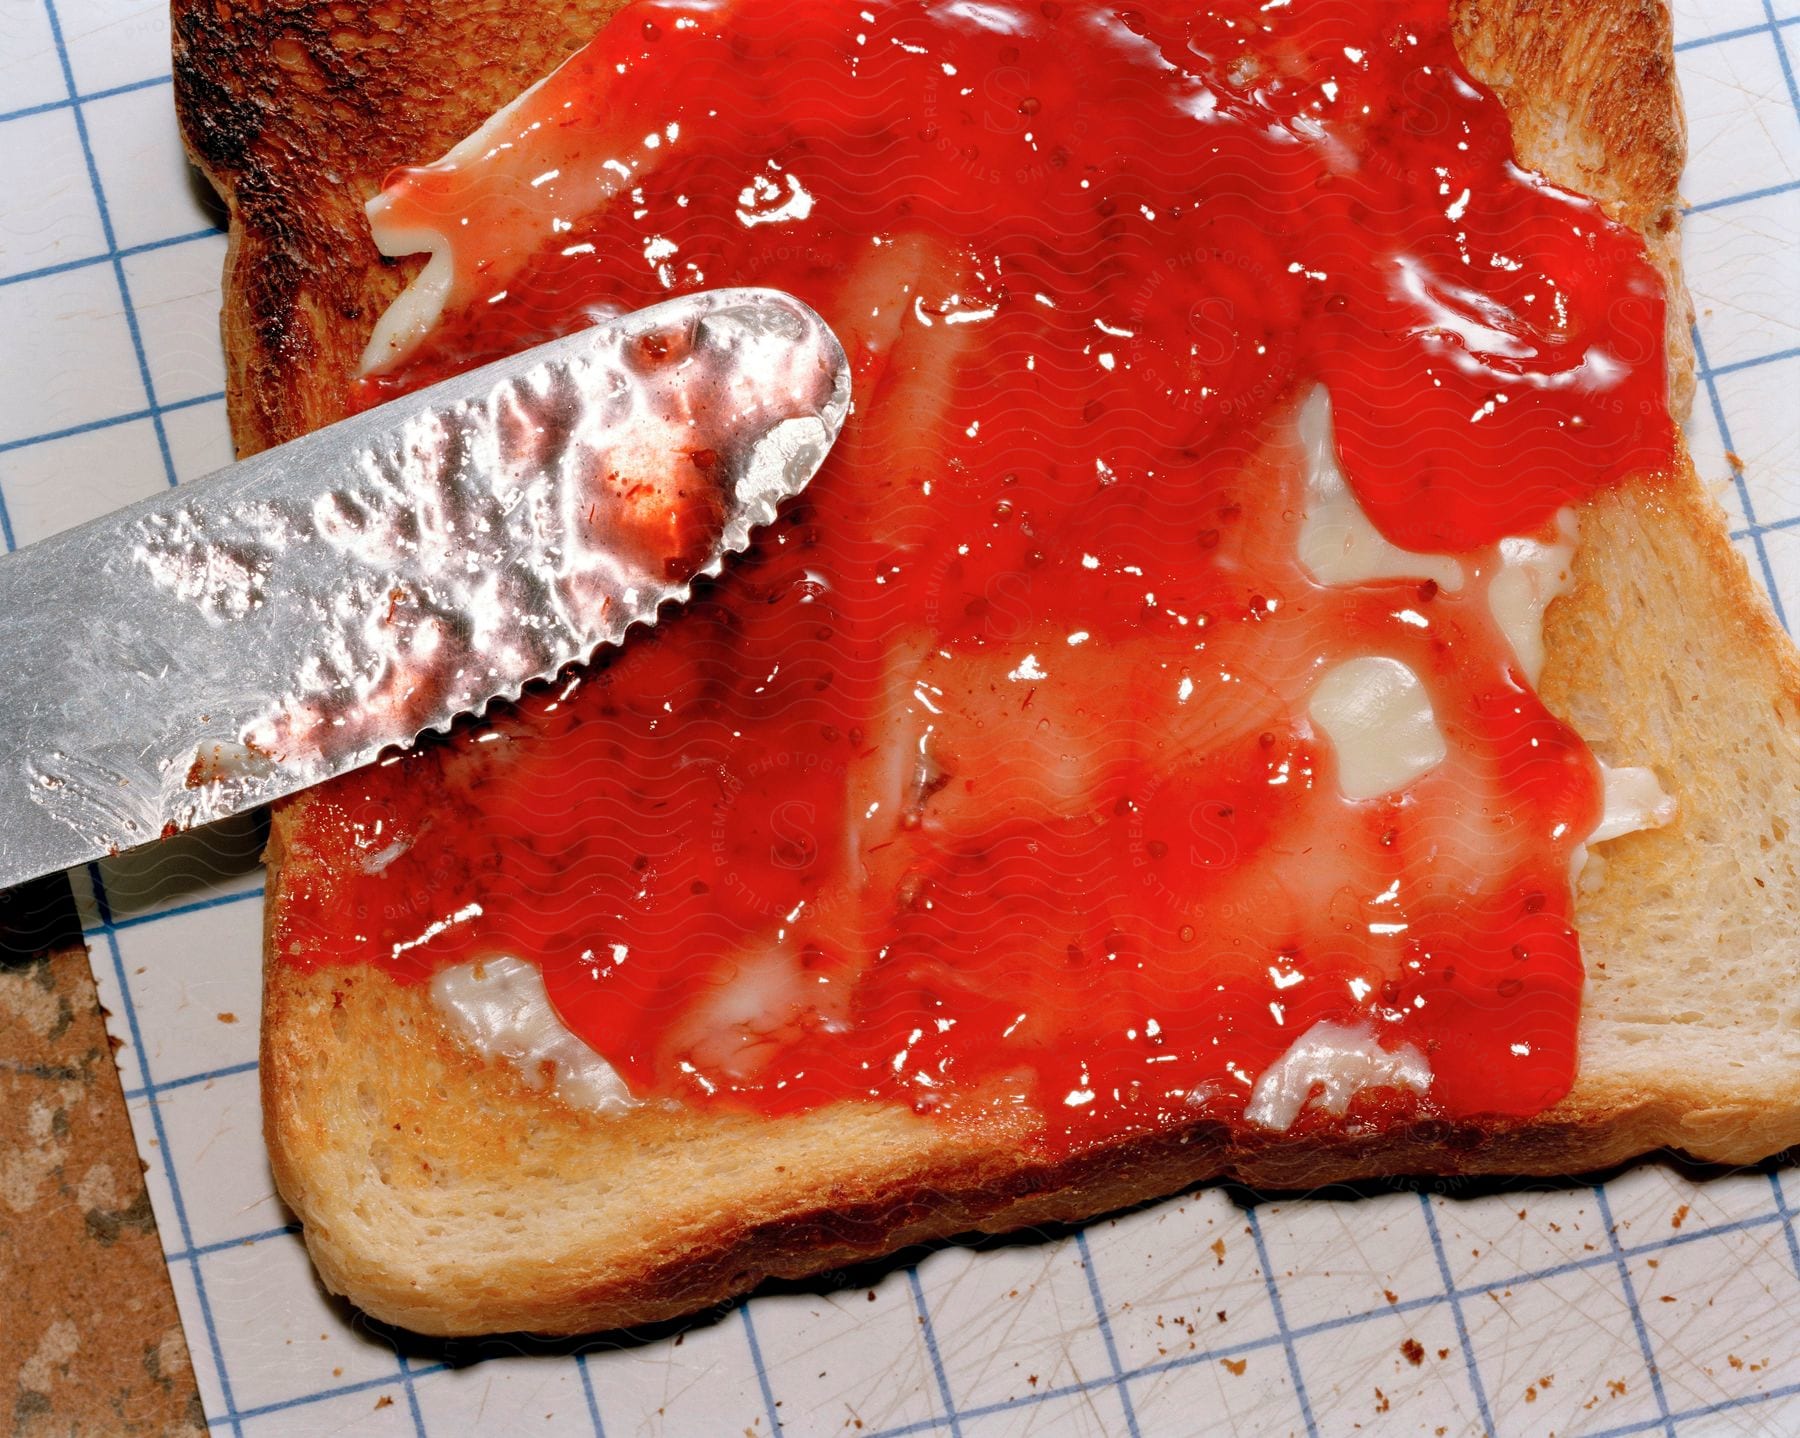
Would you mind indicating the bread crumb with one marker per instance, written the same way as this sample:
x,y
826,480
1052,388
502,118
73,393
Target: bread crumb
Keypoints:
x,y
1381,1402
1413,1351
1680,1217
385,1401
227,1017
1235,1366
1616,1387
1218,1248
1390,1295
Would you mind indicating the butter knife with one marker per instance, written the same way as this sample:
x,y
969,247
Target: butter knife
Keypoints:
x,y
292,616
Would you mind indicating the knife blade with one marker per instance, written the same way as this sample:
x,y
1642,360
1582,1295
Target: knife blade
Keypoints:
x,y
292,616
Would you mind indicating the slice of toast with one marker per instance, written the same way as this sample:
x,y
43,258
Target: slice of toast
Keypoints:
x,y
440,1193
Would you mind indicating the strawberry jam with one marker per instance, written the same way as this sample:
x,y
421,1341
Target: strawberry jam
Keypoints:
x,y
998,777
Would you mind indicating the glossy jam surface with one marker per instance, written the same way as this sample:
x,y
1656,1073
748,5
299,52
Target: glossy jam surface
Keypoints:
x,y
988,780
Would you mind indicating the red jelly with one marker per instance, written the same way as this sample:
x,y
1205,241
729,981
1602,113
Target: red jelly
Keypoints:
x,y
992,778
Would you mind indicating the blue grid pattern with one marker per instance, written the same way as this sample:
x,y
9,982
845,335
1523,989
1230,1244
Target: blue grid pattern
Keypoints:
x,y
143,1064
1284,1333
1103,1382
1451,1297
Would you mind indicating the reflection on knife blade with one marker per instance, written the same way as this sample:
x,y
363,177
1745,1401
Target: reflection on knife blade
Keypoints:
x,y
289,618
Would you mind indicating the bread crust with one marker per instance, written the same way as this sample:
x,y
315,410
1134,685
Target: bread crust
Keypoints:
x,y
442,1194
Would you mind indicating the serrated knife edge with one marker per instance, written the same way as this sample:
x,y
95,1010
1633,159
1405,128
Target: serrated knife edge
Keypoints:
x,y
291,617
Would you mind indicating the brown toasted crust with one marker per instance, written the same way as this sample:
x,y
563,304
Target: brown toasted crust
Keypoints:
x,y
295,110
1591,92
390,1141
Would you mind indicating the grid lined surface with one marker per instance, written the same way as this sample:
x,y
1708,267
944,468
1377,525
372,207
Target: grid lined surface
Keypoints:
x,y
1655,1303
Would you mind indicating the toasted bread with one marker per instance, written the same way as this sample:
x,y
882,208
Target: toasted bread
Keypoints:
x,y
441,1193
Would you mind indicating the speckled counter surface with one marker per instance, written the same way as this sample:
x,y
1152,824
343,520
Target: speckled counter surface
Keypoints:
x,y
91,1340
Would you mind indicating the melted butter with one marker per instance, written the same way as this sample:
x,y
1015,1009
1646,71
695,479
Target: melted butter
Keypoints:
x,y
497,1007
1378,718
406,322
1328,1066
1530,575
1375,710
1339,543
1632,799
